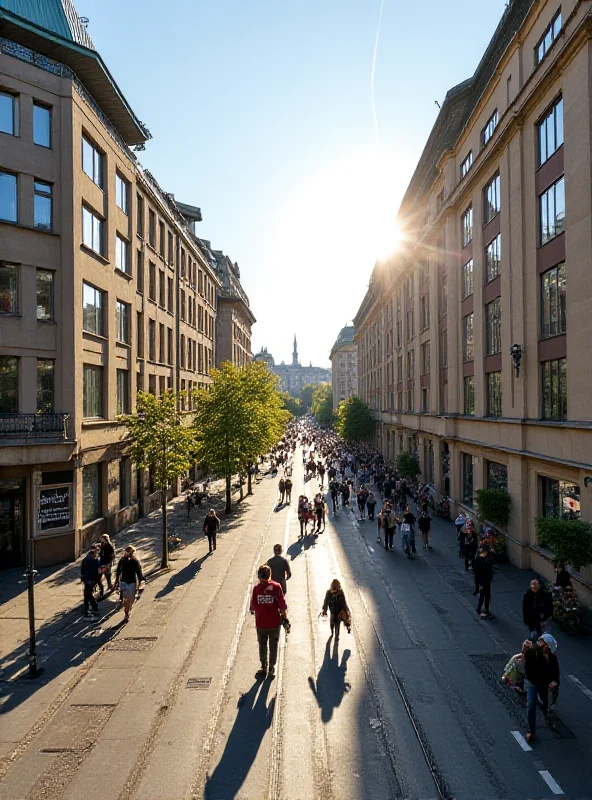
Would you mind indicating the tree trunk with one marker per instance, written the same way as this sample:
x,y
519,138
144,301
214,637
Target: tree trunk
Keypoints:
x,y
228,508
250,481
164,564
240,483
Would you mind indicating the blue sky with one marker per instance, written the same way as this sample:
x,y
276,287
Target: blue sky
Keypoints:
x,y
261,114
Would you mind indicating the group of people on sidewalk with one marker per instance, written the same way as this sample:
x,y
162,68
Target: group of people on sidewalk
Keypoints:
x,y
98,564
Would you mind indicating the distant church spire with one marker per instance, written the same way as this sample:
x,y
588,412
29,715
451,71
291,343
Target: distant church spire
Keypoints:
x,y
295,353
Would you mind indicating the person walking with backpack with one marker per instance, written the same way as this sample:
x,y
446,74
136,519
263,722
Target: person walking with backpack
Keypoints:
x,y
483,571
211,526
336,604
269,607
280,567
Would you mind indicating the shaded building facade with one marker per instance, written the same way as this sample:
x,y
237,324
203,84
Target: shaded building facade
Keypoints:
x,y
344,366
294,377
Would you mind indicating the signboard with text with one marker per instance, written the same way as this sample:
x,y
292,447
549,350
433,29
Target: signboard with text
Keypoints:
x,y
54,507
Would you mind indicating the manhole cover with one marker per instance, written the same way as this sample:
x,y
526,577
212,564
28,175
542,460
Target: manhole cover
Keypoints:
x,y
133,643
199,683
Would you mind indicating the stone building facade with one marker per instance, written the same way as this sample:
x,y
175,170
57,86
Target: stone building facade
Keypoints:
x,y
471,339
103,291
344,366
294,377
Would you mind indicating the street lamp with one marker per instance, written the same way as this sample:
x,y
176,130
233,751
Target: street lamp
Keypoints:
x,y
30,574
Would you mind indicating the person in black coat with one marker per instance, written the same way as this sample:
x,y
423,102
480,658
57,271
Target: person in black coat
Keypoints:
x,y
483,570
90,575
106,559
336,604
537,607
541,676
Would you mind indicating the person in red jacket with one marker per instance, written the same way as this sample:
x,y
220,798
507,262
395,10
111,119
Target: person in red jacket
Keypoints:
x,y
269,607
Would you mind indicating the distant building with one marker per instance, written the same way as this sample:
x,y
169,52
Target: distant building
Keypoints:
x,y
344,366
293,377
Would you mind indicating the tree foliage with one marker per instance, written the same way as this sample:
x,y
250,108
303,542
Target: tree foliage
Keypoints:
x,y
162,443
238,418
306,395
569,539
293,405
355,422
494,505
408,466
322,403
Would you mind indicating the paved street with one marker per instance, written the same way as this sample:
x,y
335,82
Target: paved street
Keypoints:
x,y
409,705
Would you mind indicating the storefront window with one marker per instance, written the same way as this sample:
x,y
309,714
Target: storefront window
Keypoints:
x,y
497,475
560,498
91,493
467,475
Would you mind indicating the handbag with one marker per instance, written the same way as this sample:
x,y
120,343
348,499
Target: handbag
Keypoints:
x,y
406,528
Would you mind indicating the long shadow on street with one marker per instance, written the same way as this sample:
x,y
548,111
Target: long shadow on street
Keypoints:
x,y
330,685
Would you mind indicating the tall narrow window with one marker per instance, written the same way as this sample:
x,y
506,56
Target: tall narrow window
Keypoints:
x,y
489,128
493,258
467,338
466,164
554,389
553,289
161,343
550,132
44,291
491,199
161,238
467,279
92,492
467,226
8,114
9,397
425,358
467,474
161,289
92,391
123,311
140,272
151,340
443,349
140,215
43,205
552,211
121,192
92,161
151,228
121,254
45,385
544,43
139,334
92,230
469,395
92,309
9,289
170,252
494,394
8,197
123,391
170,294
41,125
493,327
152,281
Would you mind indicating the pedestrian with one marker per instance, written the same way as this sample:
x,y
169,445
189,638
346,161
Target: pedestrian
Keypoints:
x,y
321,470
460,523
336,604
371,504
334,488
106,559
409,519
280,567
288,487
282,490
128,577
470,548
515,669
269,607
483,578
537,608
389,523
211,526
303,511
424,523
541,676
562,577
90,576
188,503
362,500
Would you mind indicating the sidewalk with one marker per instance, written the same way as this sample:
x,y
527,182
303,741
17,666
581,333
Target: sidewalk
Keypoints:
x,y
58,591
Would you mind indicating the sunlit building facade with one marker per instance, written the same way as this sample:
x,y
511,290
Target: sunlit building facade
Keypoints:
x,y
344,366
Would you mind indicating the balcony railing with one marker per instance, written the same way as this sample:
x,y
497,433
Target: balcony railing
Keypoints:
x,y
33,427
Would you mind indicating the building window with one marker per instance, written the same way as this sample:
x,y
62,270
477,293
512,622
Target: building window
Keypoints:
x,y
554,389
161,289
443,295
467,226
489,128
491,199
467,479
466,164
443,349
92,161
121,254
170,295
493,258
169,346
553,288
44,289
467,338
125,476
424,310
425,358
8,197
151,340
152,384
561,499
161,344
152,281
550,132
424,400
552,211
170,252
92,230
9,403
161,231
121,192
123,312
469,395
92,490
497,475
45,385
399,369
140,272
43,206
151,228
494,394
41,125
139,334
8,114
410,325
409,399
493,327
411,365
140,215
92,391
547,39
92,309
9,289
467,279
123,391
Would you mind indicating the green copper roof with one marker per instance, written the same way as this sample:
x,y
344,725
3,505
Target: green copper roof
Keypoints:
x,y
57,16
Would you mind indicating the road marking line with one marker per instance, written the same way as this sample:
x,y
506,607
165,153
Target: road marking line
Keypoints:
x,y
551,782
580,685
521,741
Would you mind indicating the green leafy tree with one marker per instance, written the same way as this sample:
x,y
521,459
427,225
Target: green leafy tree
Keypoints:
x,y
293,405
355,422
493,505
306,395
570,540
322,403
162,443
408,466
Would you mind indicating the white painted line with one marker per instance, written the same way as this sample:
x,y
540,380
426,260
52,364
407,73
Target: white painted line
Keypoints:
x,y
521,741
580,685
551,782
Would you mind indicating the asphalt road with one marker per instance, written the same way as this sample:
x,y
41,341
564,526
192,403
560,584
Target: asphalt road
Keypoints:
x,y
409,705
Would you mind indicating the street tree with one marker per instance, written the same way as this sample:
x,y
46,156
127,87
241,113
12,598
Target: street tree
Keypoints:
x,y
408,466
161,443
293,405
322,403
355,422
306,395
